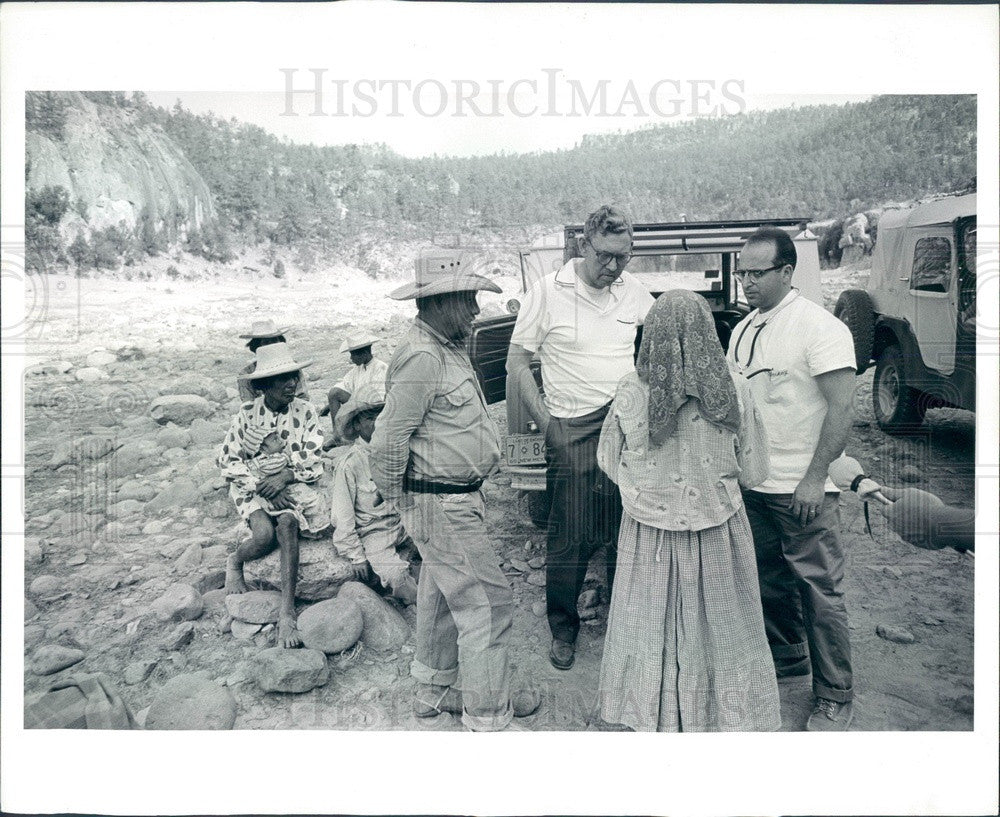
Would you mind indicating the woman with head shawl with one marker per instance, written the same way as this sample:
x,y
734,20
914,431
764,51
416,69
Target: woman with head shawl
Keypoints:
x,y
685,647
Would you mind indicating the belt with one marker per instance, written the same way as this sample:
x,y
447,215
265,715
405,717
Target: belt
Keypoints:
x,y
426,486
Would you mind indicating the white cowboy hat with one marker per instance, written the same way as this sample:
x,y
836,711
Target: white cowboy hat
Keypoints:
x,y
275,358
264,329
441,270
367,397
359,340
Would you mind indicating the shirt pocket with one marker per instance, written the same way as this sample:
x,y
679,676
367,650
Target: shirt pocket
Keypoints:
x,y
456,399
625,329
780,389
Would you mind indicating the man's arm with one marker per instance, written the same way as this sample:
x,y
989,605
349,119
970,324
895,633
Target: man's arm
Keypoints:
x,y
837,388
519,371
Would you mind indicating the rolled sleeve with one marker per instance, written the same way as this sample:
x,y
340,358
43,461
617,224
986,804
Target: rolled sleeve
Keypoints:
x,y
830,349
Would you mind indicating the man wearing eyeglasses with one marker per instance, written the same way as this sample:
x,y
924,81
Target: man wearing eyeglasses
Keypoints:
x,y
799,360
582,322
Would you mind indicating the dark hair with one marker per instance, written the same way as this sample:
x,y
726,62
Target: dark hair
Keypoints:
x,y
607,220
263,383
784,247
255,343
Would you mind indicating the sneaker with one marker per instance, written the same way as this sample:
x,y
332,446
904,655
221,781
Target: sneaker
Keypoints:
x,y
562,654
830,716
431,700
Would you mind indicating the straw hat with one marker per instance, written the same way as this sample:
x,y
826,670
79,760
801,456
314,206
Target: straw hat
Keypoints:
x,y
442,270
263,329
275,358
367,397
359,340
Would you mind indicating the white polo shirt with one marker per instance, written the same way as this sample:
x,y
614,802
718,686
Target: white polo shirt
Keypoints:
x,y
584,337
371,373
795,341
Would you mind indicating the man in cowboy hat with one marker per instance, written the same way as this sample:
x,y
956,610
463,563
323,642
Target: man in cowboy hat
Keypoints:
x,y
262,333
368,532
433,447
364,369
279,506
581,321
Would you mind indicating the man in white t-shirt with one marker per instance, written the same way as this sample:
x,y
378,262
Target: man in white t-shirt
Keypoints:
x,y
365,371
799,361
581,321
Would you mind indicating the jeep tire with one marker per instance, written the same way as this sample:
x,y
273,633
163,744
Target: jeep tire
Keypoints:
x,y
854,308
899,408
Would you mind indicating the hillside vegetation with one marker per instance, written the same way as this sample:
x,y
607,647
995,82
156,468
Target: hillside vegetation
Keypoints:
x,y
815,162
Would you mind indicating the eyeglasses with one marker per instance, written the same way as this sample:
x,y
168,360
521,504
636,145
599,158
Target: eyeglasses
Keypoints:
x,y
605,258
756,274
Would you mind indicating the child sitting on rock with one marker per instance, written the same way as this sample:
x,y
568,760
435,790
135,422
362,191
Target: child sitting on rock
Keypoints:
x,y
368,532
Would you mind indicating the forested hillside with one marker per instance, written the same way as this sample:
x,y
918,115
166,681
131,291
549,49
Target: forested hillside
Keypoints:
x,y
814,162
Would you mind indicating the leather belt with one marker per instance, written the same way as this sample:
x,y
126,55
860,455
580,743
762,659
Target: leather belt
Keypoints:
x,y
425,486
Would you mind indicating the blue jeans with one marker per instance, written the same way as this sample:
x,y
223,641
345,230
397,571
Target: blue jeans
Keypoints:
x,y
464,605
801,569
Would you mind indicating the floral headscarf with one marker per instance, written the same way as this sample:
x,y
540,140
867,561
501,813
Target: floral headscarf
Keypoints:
x,y
680,358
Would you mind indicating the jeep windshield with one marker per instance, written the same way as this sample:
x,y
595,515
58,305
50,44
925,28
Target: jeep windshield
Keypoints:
x,y
697,272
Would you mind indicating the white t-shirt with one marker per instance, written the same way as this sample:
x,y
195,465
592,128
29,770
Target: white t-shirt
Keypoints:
x,y
373,372
585,338
799,340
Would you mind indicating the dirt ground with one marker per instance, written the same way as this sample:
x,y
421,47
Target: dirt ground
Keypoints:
x,y
108,561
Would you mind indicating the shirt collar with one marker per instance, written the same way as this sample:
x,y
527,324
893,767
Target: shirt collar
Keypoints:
x,y
566,276
430,330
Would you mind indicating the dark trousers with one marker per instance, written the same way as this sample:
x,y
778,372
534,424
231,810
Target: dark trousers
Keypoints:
x,y
801,570
585,514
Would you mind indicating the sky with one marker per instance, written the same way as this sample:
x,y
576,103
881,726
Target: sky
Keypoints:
x,y
472,116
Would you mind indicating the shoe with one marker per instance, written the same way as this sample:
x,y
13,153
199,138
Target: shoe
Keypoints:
x,y
830,716
791,667
525,701
431,700
562,654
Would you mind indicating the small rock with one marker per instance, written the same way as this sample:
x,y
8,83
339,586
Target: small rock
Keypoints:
x,y
77,559
590,598
539,609
180,493
383,628
331,626
179,637
899,635
244,631
281,670
205,433
219,509
536,562
931,622
173,437
519,564
909,473
33,635
589,613
127,508
34,550
181,602
139,671
179,408
214,599
30,611
225,624
89,374
154,527
54,657
215,555
189,560
134,489
891,570
535,578
255,607
141,716
192,702
45,586
99,357
213,580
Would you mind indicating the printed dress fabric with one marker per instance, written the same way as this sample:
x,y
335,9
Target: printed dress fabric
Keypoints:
x,y
297,427
685,647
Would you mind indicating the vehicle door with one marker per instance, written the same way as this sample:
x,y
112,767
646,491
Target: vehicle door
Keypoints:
x,y
933,293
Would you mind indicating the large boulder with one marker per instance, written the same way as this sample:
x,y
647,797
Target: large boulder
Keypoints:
x,y
81,449
179,408
192,702
54,657
332,626
280,670
181,602
181,493
206,433
133,458
255,607
383,627
173,437
321,570
197,384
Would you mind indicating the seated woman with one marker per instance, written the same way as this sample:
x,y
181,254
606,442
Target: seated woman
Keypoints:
x,y
685,648
262,333
274,488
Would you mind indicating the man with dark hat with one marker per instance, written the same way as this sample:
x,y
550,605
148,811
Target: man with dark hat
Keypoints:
x,y
433,447
365,370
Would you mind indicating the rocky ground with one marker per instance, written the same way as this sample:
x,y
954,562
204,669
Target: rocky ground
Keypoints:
x,y
128,524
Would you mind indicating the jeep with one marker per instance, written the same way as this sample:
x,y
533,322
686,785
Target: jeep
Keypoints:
x,y
916,320
699,256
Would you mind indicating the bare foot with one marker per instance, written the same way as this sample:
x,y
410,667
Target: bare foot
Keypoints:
x,y
288,634
234,577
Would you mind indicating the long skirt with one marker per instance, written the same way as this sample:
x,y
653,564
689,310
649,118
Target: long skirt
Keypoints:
x,y
685,648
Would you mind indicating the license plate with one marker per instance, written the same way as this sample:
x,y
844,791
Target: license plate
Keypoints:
x,y
524,449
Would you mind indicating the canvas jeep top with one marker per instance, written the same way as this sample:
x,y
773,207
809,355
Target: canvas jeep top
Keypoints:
x,y
699,256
